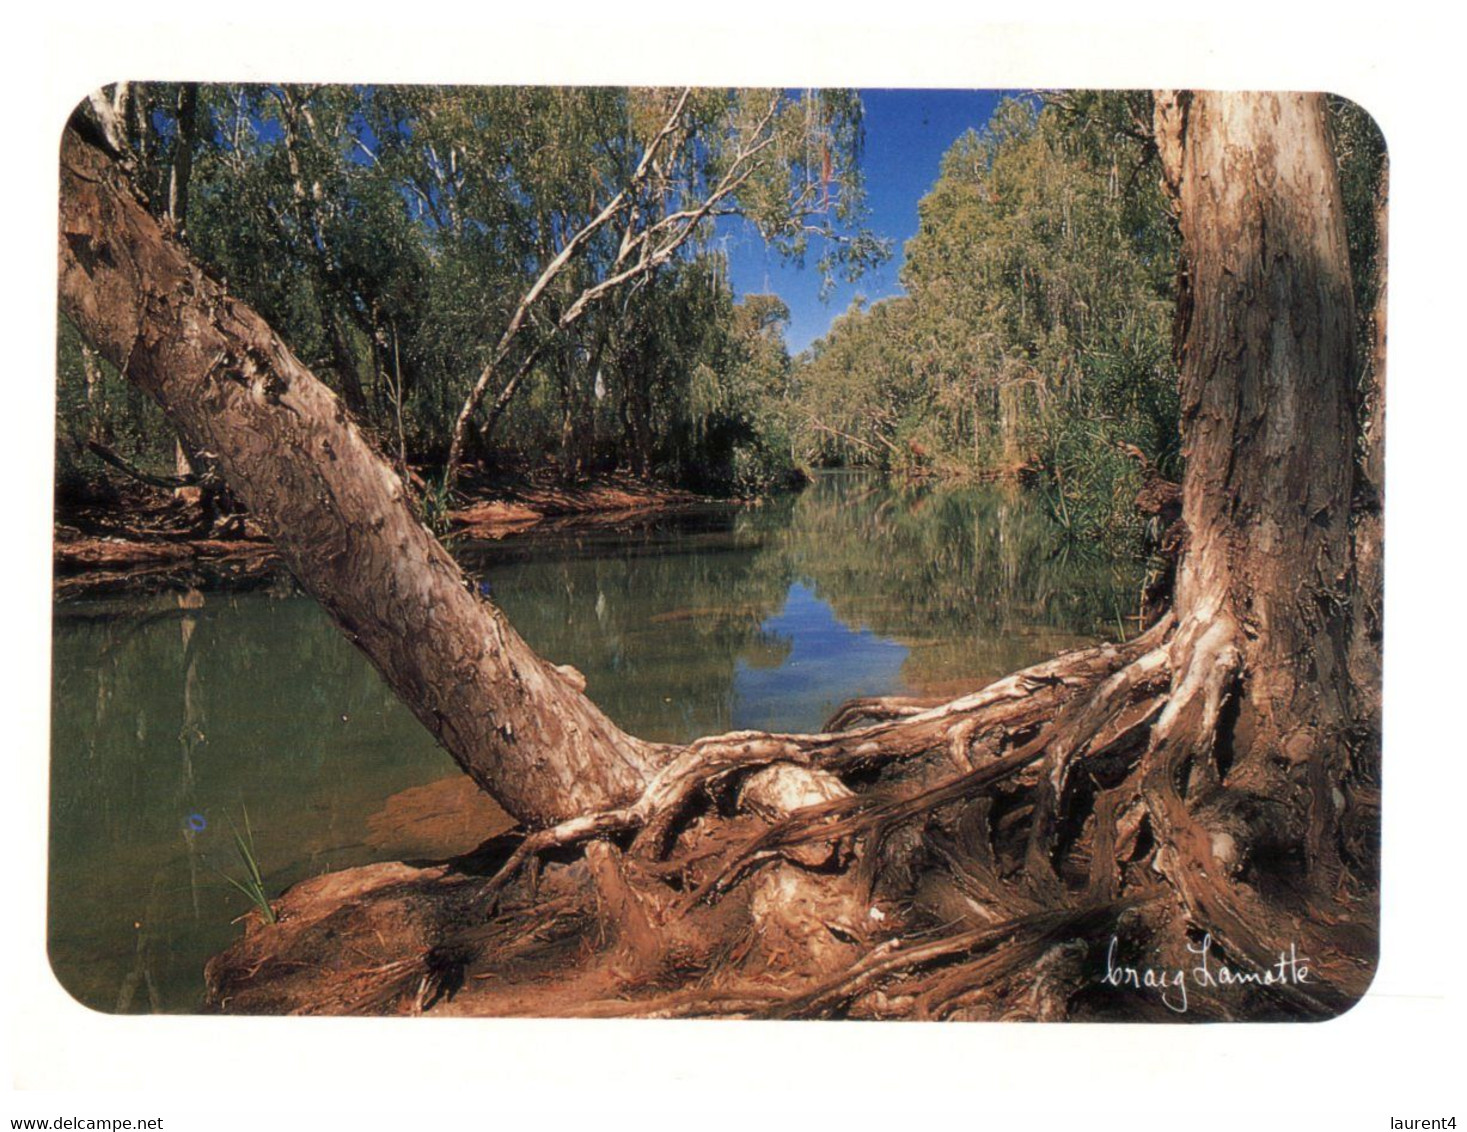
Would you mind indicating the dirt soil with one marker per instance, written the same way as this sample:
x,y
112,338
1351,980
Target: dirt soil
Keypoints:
x,y
136,537
510,508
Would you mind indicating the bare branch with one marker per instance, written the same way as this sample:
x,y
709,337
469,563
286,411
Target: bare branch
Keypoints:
x,y
107,456
552,270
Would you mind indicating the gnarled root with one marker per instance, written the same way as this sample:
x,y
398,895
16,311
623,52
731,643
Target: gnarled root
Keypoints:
x,y
989,857
1004,708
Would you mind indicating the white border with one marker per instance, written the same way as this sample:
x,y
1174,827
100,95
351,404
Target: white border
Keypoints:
x,y
1386,1057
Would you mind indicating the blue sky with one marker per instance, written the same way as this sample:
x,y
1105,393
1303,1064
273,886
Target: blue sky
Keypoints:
x,y
907,132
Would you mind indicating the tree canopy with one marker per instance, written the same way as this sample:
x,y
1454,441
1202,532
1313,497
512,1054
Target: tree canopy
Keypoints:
x,y
441,254
1035,332
529,276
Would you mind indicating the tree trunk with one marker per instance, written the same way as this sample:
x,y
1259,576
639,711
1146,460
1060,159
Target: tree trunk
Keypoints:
x,y
338,515
95,406
186,464
1266,326
1367,628
183,157
970,859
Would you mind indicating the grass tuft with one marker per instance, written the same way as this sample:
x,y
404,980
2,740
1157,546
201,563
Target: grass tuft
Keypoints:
x,y
253,884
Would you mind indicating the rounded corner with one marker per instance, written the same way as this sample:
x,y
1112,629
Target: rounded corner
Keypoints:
x,y
70,992
1345,99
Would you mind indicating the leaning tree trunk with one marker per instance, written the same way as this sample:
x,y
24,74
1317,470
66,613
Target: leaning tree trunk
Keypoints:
x,y
338,515
968,859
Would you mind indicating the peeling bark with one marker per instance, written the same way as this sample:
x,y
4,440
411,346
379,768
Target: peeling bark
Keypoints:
x,y
337,513
965,860
1367,627
1265,332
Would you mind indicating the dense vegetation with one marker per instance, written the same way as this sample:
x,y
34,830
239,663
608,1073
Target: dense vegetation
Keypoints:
x,y
550,245
1216,776
417,245
1035,334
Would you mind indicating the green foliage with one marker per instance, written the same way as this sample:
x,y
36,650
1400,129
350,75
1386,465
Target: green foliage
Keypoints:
x,y
1035,333
252,884
862,387
389,234
435,505
95,403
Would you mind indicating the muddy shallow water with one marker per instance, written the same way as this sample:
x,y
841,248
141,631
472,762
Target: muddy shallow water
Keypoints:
x,y
179,719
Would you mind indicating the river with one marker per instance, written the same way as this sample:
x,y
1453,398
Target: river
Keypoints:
x,y
179,719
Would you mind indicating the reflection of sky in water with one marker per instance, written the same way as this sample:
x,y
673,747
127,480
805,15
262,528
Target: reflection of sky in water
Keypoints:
x,y
824,664
171,719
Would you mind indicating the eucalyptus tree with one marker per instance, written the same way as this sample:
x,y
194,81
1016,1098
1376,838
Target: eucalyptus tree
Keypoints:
x,y
863,398
759,392
1066,277
155,129
1037,315
701,383
430,248
1202,780
679,161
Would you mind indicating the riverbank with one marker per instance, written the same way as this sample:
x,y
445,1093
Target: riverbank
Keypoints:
x,y
139,537
176,713
511,507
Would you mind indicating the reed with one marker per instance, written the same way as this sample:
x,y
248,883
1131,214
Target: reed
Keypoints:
x,y
253,884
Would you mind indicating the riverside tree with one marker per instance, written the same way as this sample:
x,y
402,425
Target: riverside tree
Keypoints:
x,y
788,165
982,858
460,265
1035,332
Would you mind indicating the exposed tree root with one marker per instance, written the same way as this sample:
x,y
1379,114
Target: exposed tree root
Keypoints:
x,y
1005,706
981,858
892,960
877,709
1058,844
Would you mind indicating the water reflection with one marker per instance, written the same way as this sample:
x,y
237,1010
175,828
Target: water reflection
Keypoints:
x,y
171,721
174,715
817,664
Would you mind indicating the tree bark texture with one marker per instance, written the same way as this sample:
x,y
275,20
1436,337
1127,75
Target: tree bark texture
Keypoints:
x,y
1368,593
969,859
1265,328
520,726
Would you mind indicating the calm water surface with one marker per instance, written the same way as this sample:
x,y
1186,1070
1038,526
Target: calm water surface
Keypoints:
x,y
179,718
